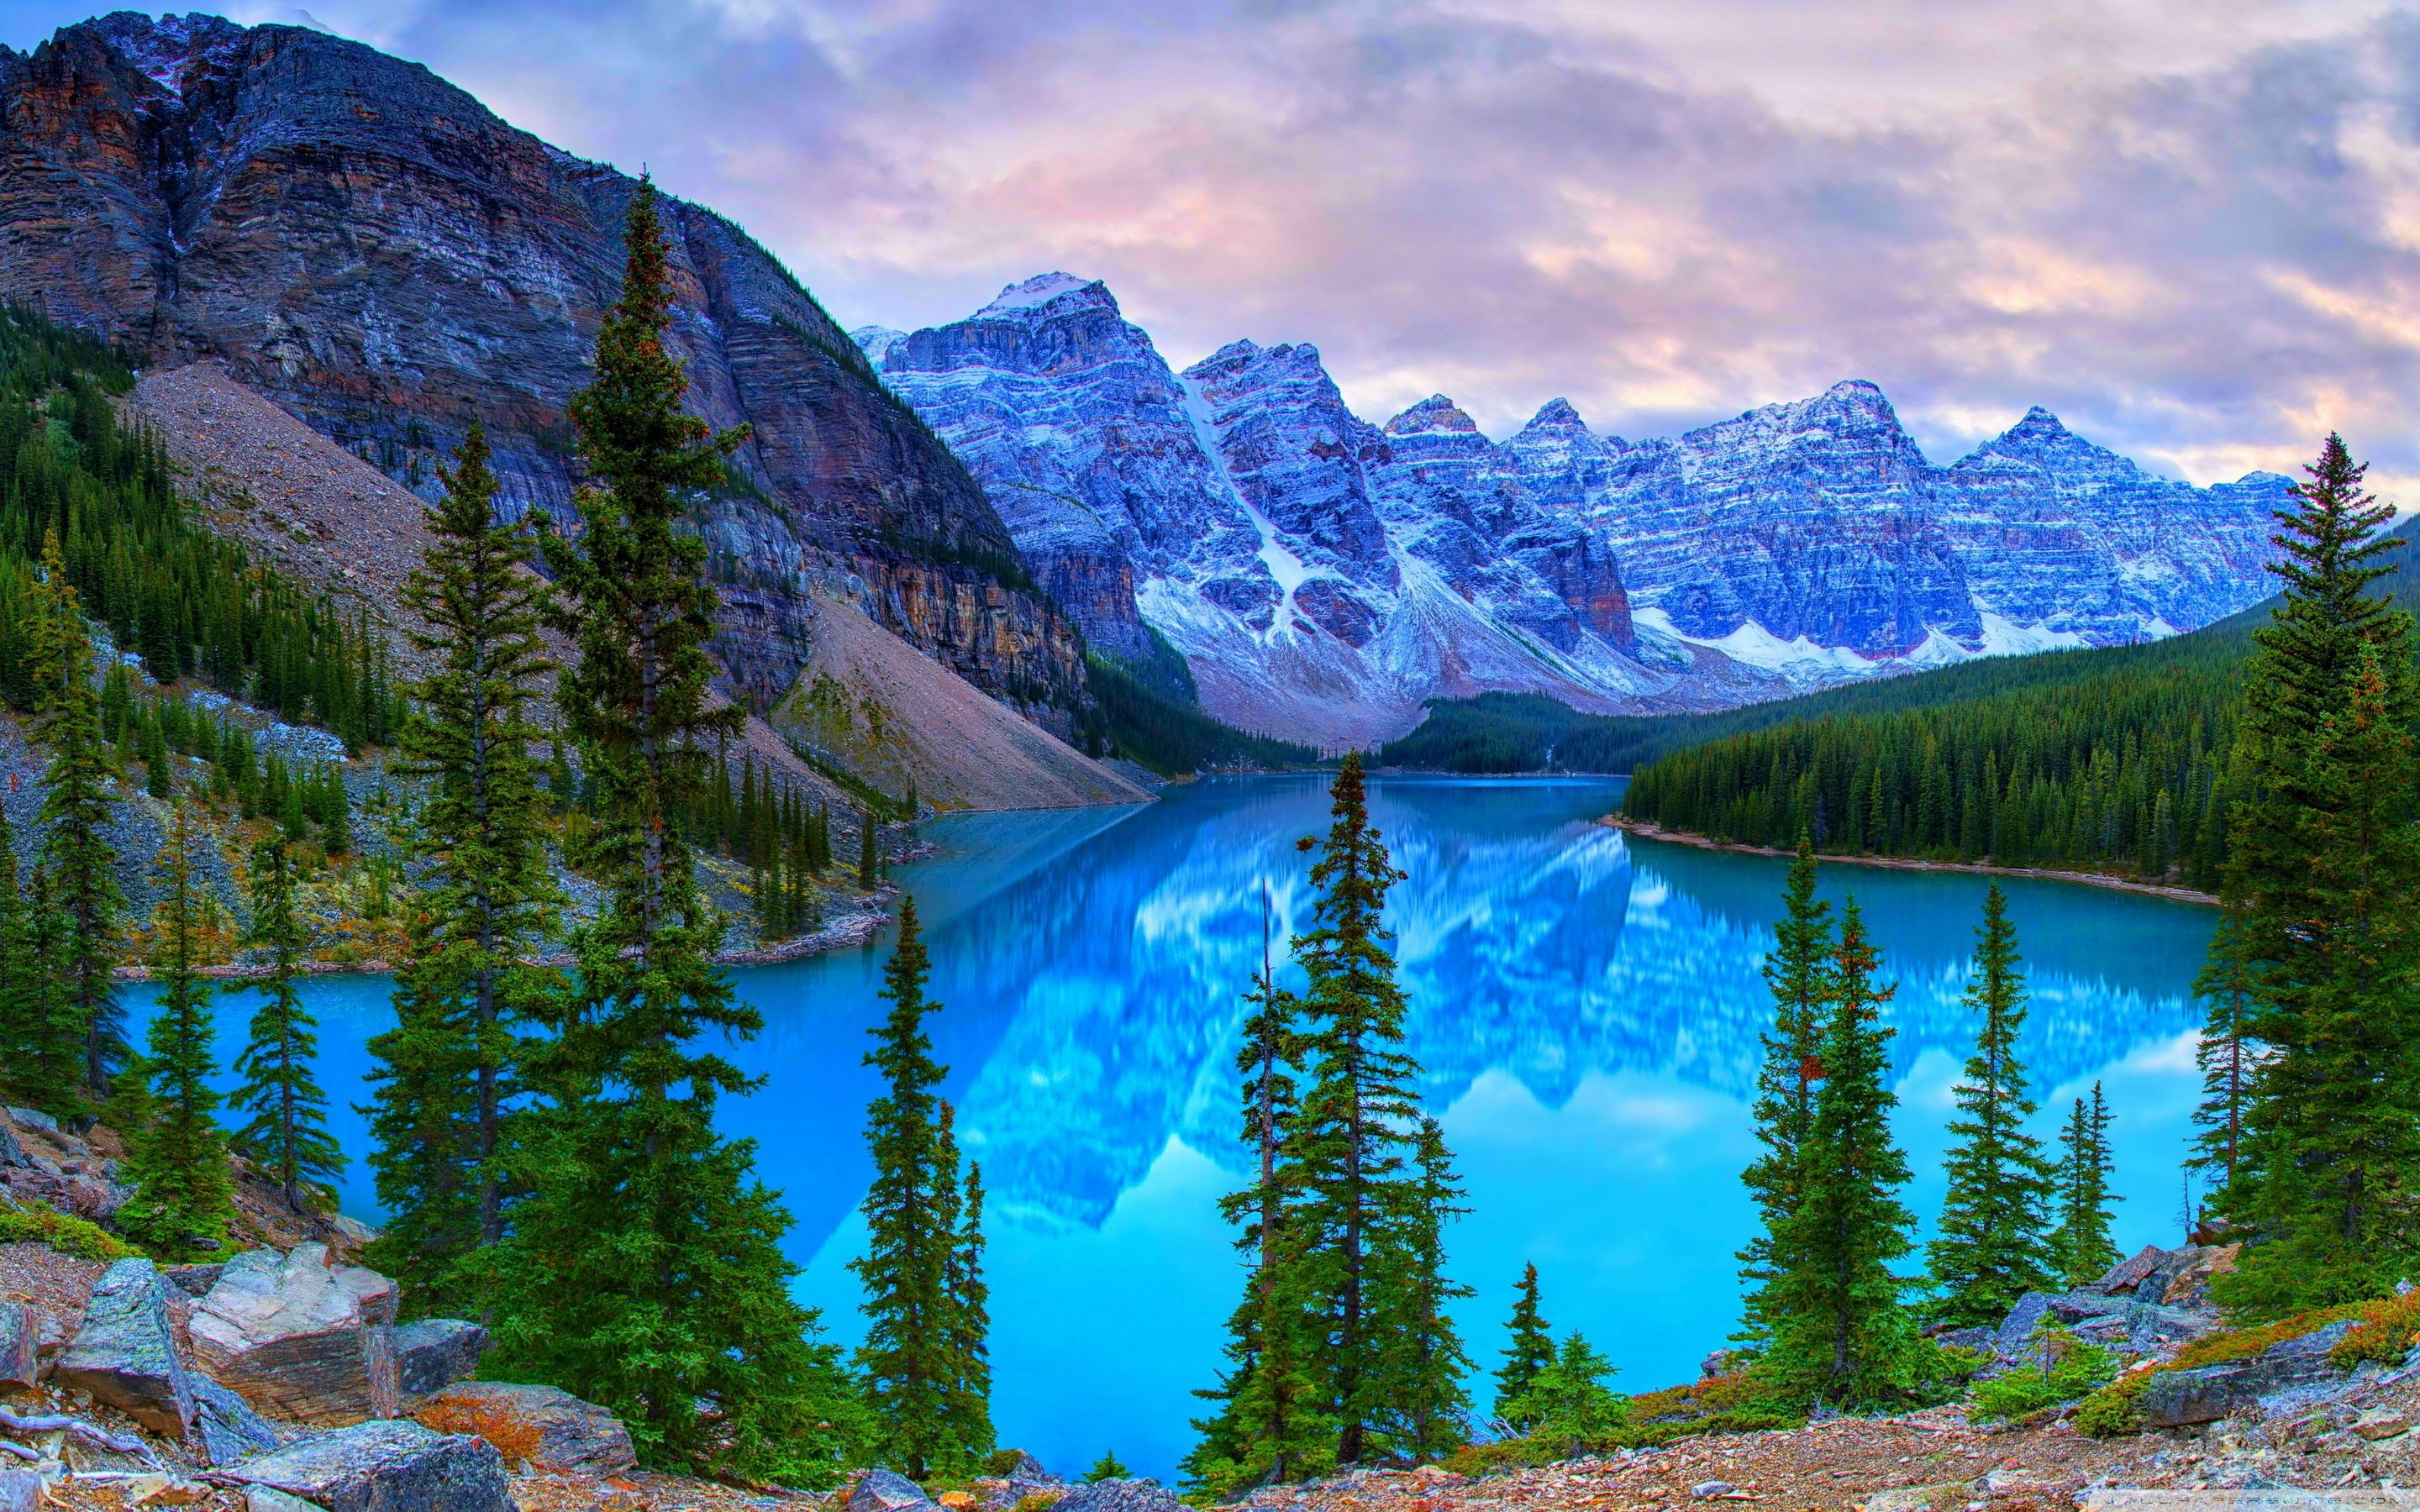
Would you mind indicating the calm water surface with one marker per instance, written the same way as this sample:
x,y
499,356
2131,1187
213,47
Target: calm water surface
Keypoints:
x,y
1586,1008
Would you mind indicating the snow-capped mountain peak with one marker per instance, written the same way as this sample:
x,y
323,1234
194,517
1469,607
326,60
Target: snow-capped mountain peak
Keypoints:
x,y
1322,576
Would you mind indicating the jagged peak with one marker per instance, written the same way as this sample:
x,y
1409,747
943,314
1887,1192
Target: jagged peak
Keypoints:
x,y
161,47
1051,291
876,341
1436,413
1556,414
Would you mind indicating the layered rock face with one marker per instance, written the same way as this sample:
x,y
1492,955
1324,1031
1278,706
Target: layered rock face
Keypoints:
x,y
1322,576
384,257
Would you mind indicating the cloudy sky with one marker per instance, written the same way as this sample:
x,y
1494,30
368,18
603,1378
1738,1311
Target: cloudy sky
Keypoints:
x,y
2190,226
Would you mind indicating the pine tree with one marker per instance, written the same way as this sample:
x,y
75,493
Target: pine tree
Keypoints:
x,y
966,1341
48,1076
2226,1057
1426,1410
1798,972
915,1362
645,1271
2080,1244
1568,1404
77,803
2322,885
287,1137
869,859
1531,1350
1109,1467
446,1075
1269,1426
24,1023
176,1156
1993,1246
1838,1332
1357,1114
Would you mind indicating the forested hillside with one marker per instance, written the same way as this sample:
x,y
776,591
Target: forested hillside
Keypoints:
x,y
2107,761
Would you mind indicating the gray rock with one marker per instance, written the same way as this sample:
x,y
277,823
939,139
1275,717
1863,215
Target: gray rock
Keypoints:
x,y
301,1335
21,1491
435,1352
124,1355
2174,1398
21,1345
1981,1340
885,1490
28,1118
226,1427
1143,1495
2063,1309
1706,1490
12,1154
195,1280
383,1466
539,1427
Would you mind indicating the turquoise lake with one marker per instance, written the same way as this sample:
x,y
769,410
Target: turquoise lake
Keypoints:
x,y
1586,1008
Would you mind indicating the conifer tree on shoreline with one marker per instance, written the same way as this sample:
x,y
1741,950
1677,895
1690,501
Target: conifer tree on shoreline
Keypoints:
x,y
645,1271
176,1153
1799,972
1837,1332
2322,887
922,1360
287,1136
2081,1245
1991,1246
1531,1350
448,1070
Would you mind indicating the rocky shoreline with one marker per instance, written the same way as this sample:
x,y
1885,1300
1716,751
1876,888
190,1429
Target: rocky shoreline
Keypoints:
x,y
1644,830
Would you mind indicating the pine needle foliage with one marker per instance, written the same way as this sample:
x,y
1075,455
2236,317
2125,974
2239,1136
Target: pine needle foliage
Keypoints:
x,y
1992,1245
1798,971
77,800
2081,1245
288,1135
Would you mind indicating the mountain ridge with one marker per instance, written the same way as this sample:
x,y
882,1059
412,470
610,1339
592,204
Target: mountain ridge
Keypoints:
x,y
1321,574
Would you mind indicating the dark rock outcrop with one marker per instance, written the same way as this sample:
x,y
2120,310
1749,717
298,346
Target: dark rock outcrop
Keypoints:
x,y
21,1344
302,1337
1120,1496
435,1352
226,1427
379,253
125,1355
885,1490
385,1466
2173,1398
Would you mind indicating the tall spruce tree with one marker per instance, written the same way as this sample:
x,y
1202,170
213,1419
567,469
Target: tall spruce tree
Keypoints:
x,y
1837,1333
966,1341
1426,1409
2322,882
445,1075
1270,1423
288,1135
644,1270
1358,1114
1531,1350
2080,1244
78,791
1798,972
2227,1060
52,1071
177,1155
1994,1243
915,1360
24,1023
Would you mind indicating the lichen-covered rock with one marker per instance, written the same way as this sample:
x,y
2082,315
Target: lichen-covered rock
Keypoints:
x,y
535,1427
885,1490
435,1352
124,1353
2174,1398
226,1428
301,1336
21,1344
384,1466
1140,1496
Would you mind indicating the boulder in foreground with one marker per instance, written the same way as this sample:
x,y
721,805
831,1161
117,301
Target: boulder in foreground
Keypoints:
x,y
533,1427
434,1353
301,1336
124,1354
384,1466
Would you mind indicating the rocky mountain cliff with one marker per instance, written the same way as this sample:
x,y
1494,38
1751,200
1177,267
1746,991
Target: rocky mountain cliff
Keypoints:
x,y
380,254
1322,576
